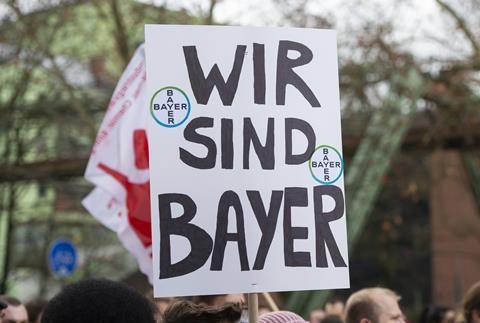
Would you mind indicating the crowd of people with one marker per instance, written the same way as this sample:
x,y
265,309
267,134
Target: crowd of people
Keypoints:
x,y
105,301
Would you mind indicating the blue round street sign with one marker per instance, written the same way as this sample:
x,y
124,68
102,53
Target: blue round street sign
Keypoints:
x,y
62,258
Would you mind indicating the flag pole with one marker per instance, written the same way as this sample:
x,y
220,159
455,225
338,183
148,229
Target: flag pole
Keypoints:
x,y
253,308
271,302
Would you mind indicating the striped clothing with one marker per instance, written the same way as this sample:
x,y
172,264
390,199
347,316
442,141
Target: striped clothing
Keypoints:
x,y
281,317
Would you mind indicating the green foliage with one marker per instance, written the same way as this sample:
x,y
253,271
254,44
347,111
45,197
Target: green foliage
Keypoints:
x,y
58,67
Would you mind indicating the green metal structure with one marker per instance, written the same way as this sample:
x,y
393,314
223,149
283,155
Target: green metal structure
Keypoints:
x,y
382,139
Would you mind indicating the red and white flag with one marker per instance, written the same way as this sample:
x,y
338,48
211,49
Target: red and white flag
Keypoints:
x,y
118,166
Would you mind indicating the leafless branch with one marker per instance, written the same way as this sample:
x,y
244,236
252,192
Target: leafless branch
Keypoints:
x,y
121,36
209,17
43,170
462,25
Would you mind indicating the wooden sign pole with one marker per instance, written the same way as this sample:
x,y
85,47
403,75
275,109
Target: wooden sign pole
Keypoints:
x,y
253,308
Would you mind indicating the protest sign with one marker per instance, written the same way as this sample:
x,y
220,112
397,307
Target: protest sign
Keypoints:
x,y
246,165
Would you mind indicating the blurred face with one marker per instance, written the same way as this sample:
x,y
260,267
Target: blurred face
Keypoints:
x,y
475,316
162,306
15,314
335,308
449,317
263,310
316,316
390,311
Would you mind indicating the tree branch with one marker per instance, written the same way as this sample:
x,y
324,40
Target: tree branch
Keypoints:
x,y
462,25
209,17
57,169
61,169
121,36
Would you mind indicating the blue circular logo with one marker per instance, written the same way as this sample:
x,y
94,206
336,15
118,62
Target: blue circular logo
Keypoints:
x,y
170,106
62,258
326,164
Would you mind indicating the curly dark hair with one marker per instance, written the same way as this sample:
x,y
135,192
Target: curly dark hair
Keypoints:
x,y
98,300
188,312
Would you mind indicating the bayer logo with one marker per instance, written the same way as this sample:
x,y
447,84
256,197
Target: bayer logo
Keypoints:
x,y
326,164
170,106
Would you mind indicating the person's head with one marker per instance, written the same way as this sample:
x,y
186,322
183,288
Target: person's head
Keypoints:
x,y
281,317
162,303
335,306
188,312
15,311
332,318
35,309
3,306
471,304
219,300
437,314
98,300
317,315
373,305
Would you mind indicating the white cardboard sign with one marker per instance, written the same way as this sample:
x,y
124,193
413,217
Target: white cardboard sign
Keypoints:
x,y
246,166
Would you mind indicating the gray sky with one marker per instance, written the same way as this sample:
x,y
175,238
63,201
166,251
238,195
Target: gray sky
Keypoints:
x,y
265,13
417,22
